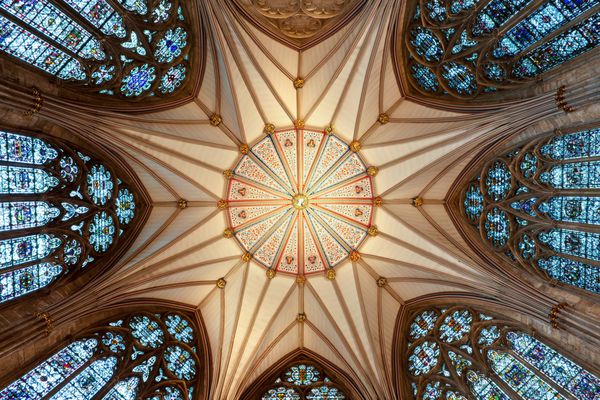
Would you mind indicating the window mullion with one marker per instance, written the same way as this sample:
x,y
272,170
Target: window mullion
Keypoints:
x,y
543,377
42,36
72,376
589,13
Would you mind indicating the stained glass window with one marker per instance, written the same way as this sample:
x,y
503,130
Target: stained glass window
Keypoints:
x,y
122,360
123,48
60,210
303,381
465,48
487,358
539,205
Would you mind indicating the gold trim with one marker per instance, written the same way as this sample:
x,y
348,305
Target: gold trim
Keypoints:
x,y
228,233
373,231
383,118
381,282
216,119
246,257
331,274
299,83
354,256
182,204
222,204
38,103
372,171
271,273
221,283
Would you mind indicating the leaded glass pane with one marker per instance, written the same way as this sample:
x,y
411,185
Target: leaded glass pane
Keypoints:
x,y
494,357
93,366
114,49
36,167
505,42
547,211
303,381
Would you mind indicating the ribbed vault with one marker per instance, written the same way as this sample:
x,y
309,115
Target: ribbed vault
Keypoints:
x,y
349,83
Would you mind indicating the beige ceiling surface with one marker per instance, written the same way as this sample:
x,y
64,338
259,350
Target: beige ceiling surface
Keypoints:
x,y
182,252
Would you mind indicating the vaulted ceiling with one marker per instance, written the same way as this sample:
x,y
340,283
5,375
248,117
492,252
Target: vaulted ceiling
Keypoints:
x,y
349,81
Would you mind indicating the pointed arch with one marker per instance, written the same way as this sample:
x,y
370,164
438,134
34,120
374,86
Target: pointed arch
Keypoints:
x,y
140,351
319,377
477,54
119,55
70,208
462,348
531,207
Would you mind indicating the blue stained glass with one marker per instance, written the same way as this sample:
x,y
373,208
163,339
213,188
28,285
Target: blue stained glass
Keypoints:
x,y
135,44
424,77
462,5
104,73
579,175
435,10
527,247
35,51
23,180
520,378
139,80
525,206
145,368
100,14
454,396
137,6
585,245
572,272
483,388
114,342
172,79
473,202
20,282
423,324
73,210
426,44
459,78
463,43
125,205
459,362
146,331
583,210
180,362
432,391
281,393
301,375
26,249
494,72
124,390
52,22
101,231
325,393
171,45
71,252
528,165
567,374
488,335
562,48
99,184
423,358
49,374
89,382
162,10
497,227
455,326
26,214
180,328
573,145
498,181
25,149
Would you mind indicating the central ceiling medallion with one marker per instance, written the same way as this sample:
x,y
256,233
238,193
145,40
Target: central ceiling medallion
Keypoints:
x,y
300,201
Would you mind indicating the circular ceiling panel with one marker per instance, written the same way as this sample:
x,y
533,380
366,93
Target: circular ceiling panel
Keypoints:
x,y
300,201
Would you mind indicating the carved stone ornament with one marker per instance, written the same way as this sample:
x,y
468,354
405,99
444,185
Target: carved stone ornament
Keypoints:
x,y
298,20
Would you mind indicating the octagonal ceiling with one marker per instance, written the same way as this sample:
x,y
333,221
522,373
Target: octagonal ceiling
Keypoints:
x,y
250,82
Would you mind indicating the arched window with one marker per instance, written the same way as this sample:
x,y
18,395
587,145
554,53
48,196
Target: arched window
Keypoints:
x,y
538,205
142,356
467,48
303,381
459,353
62,211
130,49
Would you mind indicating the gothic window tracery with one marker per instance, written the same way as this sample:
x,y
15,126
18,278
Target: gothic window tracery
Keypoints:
x,y
467,48
459,353
538,205
62,210
141,356
303,381
129,49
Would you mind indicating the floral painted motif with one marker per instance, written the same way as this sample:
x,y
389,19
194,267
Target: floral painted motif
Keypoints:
x,y
300,201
